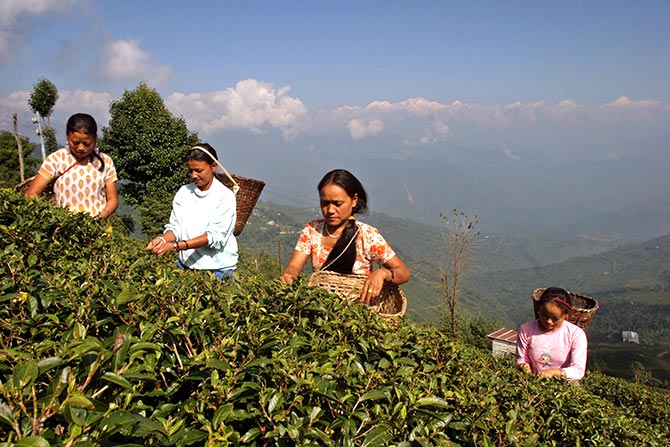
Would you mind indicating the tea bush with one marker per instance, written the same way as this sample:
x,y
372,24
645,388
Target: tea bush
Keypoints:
x,y
104,344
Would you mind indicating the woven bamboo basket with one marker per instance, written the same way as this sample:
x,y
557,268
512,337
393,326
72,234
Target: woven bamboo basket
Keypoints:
x,y
23,187
247,197
583,308
391,303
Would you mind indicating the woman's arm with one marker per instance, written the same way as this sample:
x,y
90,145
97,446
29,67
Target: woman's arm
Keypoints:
x,y
37,186
112,194
522,357
394,271
578,353
397,271
294,266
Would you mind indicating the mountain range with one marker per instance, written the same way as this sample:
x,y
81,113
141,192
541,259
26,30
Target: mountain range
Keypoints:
x,y
524,192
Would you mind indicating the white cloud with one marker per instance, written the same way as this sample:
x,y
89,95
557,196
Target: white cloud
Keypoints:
x,y
508,151
359,129
421,106
625,102
12,10
13,15
84,101
127,61
251,105
69,102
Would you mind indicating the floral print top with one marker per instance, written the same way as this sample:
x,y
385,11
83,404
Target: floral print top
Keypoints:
x,y
82,188
370,247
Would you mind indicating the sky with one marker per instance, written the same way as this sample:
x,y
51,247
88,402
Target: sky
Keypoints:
x,y
571,79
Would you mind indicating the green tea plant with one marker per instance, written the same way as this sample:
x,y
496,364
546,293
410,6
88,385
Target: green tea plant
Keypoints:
x,y
102,344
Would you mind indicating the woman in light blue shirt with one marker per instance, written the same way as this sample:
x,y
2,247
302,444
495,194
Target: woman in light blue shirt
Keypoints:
x,y
202,219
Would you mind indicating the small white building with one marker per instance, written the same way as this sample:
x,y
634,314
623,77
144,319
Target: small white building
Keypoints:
x,y
503,341
630,337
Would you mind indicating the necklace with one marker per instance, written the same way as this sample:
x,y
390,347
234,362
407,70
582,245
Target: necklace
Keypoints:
x,y
331,235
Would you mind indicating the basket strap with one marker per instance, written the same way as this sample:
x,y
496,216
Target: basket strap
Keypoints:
x,y
236,186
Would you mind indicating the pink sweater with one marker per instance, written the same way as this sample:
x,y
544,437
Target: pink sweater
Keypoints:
x,y
564,348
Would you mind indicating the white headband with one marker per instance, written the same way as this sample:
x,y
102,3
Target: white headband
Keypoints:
x,y
236,186
208,153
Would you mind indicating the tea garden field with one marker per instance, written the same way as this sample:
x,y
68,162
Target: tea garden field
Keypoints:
x,y
102,344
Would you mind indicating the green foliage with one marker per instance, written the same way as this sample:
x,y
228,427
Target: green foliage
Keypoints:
x,y
50,142
155,210
9,159
102,343
43,98
148,145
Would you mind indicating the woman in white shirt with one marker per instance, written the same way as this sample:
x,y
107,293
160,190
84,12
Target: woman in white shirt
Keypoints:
x,y
202,219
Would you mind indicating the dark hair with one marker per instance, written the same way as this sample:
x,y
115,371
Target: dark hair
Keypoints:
x,y
198,154
343,255
82,122
351,185
557,296
85,123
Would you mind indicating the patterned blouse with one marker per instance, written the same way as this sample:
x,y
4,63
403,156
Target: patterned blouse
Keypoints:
x,y
82,187
370,247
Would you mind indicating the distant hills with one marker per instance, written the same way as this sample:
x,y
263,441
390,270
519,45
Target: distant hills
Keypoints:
x,y
507,268
522,192
631,280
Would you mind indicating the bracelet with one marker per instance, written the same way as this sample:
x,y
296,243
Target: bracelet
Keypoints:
x,y
187,247
392,274
176,245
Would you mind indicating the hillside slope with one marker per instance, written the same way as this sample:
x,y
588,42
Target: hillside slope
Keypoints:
x,y
273,229
631,282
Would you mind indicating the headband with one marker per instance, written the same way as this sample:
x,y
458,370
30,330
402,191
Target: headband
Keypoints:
x,y
236,186
207,152
555,298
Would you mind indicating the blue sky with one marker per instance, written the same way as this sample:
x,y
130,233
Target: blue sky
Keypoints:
x,y
583,79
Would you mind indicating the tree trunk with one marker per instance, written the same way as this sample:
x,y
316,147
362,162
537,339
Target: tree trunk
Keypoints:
x,y
18,145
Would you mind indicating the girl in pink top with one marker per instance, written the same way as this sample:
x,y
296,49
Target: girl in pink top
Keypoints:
x,y
551,346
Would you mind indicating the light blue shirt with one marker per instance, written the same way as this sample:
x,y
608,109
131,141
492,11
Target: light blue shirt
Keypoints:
x,y
196,212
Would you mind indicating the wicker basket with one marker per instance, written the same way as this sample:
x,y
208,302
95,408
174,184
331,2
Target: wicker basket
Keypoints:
x,y
247,196
391,303
583,307
23,187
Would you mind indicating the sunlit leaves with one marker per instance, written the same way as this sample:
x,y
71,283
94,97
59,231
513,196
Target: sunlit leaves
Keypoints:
x,y
122,348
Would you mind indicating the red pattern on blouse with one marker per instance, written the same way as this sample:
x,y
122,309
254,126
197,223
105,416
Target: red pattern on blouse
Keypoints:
x,y
370,247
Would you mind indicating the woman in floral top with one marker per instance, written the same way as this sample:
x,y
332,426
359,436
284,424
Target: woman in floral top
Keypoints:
x,y
340,243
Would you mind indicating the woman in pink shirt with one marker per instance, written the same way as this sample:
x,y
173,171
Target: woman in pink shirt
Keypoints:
x,y
551,346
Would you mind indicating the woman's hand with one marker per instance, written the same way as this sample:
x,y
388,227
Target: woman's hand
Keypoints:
x,y
286,278
160,246
551,372
373,285
525,367
294,267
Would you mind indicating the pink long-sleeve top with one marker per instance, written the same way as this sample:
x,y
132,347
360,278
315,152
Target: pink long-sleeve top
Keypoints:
x,y
563,348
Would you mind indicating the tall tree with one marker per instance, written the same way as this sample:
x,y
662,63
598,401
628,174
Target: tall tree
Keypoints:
x,y
148,145
43,98
50,142
9,162
42,101
460,239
